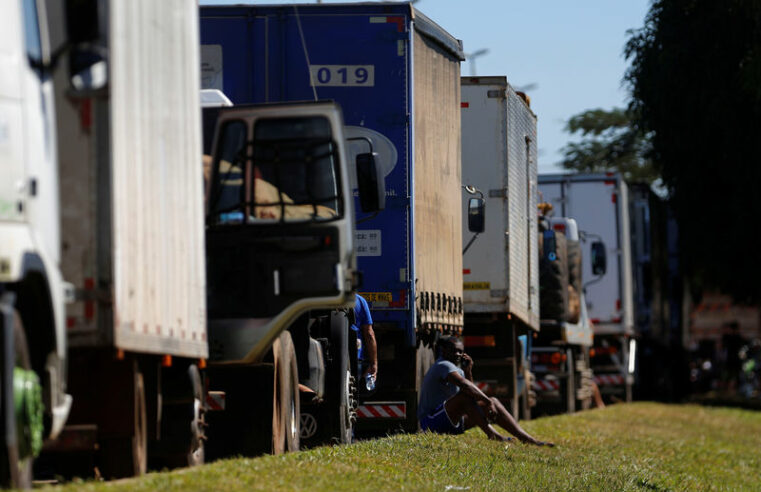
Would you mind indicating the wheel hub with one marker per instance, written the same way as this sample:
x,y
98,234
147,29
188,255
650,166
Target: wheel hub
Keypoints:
x,y
27,395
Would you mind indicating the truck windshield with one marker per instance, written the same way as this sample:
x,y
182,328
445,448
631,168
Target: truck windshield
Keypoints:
x,y
287,172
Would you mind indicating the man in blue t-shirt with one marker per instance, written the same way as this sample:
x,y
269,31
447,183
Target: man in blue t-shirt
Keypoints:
x,y
450,403
367,352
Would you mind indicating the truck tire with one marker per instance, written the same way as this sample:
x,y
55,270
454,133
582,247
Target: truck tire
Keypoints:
x,y
183,423
126,455
574,264
424,359
284,409
287,394
339,397
262,406
16,460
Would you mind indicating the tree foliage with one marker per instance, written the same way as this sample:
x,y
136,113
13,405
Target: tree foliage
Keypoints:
x,y
611,141
695,80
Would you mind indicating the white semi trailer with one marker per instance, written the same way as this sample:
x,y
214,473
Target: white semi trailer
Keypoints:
x,y
500,266
600,205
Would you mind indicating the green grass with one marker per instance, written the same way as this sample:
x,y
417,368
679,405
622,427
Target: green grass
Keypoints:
x,y
641,446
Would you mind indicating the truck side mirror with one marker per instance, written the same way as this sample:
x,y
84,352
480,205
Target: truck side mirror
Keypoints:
x,y
476,215
88,66
372,187
599,258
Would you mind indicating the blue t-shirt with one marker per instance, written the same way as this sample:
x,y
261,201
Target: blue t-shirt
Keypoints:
x,y
362,317
436,389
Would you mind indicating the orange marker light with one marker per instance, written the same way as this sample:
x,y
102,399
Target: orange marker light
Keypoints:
x,y
166,361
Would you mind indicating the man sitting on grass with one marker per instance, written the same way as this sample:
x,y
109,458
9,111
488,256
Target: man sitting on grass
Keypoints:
x,y
450,403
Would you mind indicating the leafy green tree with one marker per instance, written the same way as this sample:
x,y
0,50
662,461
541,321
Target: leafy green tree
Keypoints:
x,y
611,141
695,80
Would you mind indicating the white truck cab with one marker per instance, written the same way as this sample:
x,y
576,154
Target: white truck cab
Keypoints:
x,y
32,290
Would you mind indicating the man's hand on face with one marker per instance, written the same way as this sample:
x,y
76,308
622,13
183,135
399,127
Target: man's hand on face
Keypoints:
x,y
467,362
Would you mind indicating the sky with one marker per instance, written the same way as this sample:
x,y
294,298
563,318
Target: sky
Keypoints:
x,y
568,55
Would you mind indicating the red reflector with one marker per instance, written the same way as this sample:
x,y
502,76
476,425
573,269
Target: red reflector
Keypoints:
x,y
616,320
399,21
466,271
85,114
464,105
327,240
613,198
480,341
595,320
71,321
402,302
559,227
609,182
618,304
556,358
90,304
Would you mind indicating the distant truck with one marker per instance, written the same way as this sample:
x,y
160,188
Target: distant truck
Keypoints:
x,y
560,352
395,74
659,294
600,205
500,266
125,186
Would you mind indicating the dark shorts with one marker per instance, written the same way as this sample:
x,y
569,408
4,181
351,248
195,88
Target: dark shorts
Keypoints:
x,y
438,421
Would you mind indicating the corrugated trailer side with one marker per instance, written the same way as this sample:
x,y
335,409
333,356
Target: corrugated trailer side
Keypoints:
x,y
132,216
522,200
437,181
499,142
501,268
159,273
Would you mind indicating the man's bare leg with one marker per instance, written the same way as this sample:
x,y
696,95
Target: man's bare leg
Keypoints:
x,y
507,422
597,396
462,405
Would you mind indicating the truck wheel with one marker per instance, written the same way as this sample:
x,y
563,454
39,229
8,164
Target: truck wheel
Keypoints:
x,y
23,393
284,414
183,426
288,404
339,395
126,455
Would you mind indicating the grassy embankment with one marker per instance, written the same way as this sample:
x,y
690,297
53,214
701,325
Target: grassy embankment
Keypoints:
x,y
642,446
